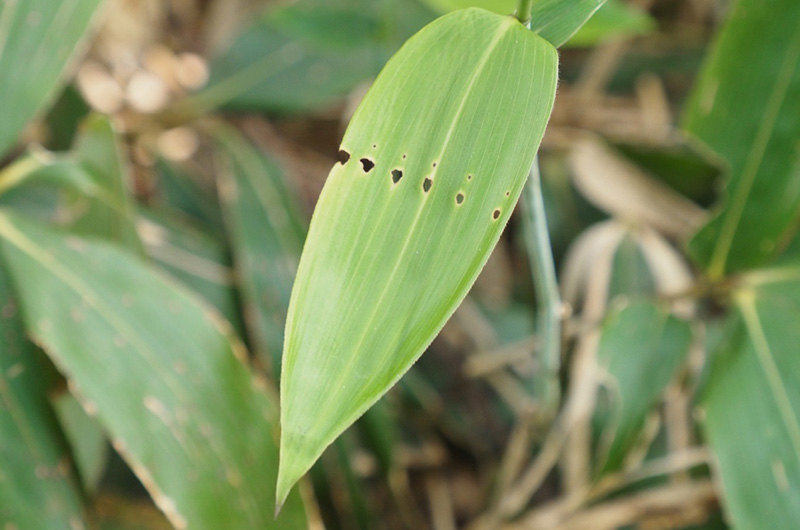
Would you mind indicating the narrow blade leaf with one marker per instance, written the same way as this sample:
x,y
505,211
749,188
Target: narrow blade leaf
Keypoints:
x,y
38,40
745,108
161,371
558,20
37,486
266,231
641,347
434,161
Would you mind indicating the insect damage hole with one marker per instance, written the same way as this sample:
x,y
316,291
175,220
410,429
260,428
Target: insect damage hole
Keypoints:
x,y
469,177
426,185
367,164
459,198
397,174
343,156
496,214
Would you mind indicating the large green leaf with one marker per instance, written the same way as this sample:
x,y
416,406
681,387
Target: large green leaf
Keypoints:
x,y
434,161
38,41
641,346
745,107
37,485
752,401
162,371
266,231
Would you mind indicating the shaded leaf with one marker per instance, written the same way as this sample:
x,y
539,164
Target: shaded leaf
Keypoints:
x,y
641,346
752,401
268,69
163,372
39,39
436,157
37,487
266,231
108,212
86,439
306,54
180,189
745,107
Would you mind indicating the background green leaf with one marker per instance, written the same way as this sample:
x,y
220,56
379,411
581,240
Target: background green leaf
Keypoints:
x,y
745,107
305,55
38,42
641,347
752,401
38,488
164,374
194,257
266,231
86,439
558,20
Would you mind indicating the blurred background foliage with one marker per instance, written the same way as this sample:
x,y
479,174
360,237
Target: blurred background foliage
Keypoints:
x,y
160,162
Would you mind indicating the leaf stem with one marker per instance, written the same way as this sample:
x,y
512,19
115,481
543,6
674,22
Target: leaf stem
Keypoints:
x,y
523,12
548,299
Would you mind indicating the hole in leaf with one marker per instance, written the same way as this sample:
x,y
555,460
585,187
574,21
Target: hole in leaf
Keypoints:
x,y
434,164
374,146
469,177
426,185
496,214
367,164
459,198
404,157
396,175
343,156
508,193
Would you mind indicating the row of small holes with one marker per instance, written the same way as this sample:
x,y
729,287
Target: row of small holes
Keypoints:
x,y
397,174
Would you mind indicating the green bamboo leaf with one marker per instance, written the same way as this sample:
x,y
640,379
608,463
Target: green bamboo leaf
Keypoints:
x,y
558,20
162,371
752,402
266,231
37,487
433,163
745,107
38,41
641,347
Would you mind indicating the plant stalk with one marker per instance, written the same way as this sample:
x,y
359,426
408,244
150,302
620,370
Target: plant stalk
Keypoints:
x,y
523,12
548,299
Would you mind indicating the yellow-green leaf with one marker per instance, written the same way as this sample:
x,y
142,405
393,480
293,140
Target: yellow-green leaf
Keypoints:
x,y
433,163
